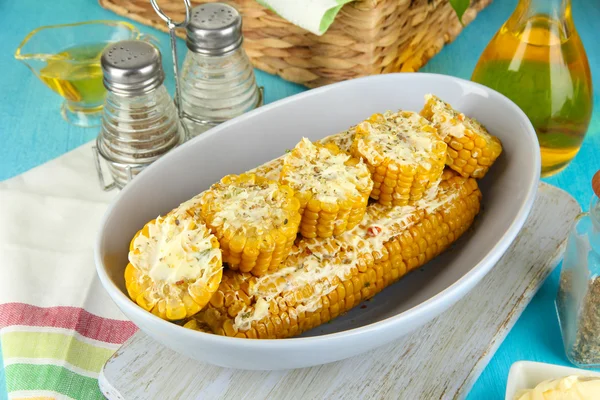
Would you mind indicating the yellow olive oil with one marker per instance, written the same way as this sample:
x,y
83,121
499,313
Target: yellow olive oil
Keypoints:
x,y
541,65
75,74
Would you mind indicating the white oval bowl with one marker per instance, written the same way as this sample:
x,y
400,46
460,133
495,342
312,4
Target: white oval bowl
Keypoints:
x,y
264,134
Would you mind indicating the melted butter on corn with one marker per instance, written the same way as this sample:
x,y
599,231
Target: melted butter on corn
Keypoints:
x,y
449,121
272,169
190,207
471,148
379,225
343,140
175,250
325,174
250,205
404,137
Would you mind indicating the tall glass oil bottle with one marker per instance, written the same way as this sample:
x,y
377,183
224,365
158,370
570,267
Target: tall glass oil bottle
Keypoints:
x,y
538,61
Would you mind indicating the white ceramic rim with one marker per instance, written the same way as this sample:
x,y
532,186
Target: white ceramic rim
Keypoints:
x,y
439,301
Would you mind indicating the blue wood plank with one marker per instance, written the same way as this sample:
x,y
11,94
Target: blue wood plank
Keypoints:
x,y
33,132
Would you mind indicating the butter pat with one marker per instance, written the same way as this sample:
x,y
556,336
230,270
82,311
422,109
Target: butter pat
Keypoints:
x,y
568,388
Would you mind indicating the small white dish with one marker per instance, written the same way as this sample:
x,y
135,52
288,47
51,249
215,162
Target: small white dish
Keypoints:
x,y
528,374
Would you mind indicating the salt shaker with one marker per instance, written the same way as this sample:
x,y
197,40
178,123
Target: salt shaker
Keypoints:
x,y
139,121
578,298
217,79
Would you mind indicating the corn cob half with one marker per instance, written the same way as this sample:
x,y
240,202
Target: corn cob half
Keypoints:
x,y
255,219
332,187
471,149
404,154
323,278
174,266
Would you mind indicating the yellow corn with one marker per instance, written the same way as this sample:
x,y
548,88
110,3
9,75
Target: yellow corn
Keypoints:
x,y
343,140
270,170
174,266
255,219
323,278
471,149
404,154
332,187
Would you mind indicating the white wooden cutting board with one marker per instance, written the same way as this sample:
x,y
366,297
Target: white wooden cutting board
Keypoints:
x,y
441,360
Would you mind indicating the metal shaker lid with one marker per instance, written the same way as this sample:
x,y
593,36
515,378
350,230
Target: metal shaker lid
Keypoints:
x,y
132,67
214,29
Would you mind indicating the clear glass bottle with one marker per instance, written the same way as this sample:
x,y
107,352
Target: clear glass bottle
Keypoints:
x,y
537,60
217,78
578,298
139,122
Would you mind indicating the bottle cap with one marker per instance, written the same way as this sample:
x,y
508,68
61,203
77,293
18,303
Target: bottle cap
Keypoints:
x,y
132,67
596,183
214,29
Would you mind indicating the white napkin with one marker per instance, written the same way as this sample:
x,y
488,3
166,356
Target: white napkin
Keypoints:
x,y
48,222
313,15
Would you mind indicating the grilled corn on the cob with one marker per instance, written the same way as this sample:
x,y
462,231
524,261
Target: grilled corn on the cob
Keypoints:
x,y
404,154
471,149
275,288
174,266
323,278
255,219
332,187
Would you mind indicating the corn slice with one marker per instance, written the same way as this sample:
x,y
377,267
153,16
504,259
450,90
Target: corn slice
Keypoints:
x,y
404,154
255,219
332,187
174,266
471,149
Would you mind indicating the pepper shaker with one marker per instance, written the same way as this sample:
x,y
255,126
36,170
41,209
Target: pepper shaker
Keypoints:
x,y
578,298
139,121
217,79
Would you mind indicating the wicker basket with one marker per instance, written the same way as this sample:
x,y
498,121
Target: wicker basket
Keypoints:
x,y
367,37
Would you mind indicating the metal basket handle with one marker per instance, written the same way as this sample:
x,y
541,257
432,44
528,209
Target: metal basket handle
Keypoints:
x,y
172,25
129,170
106,187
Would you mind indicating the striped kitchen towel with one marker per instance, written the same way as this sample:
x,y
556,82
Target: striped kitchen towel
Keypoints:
x,y
57,324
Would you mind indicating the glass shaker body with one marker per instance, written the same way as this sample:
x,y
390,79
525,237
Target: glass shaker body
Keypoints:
x,y
538,60
139,122
578,298
215,89
217,79
136,131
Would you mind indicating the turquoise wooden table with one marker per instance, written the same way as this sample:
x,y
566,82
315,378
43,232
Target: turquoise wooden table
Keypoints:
x,y
33,132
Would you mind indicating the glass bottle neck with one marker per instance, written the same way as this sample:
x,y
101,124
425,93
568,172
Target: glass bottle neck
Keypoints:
x,y
553,9
554,15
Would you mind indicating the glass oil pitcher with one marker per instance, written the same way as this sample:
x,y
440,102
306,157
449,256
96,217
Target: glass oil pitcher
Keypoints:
x,y
537,60
66,58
